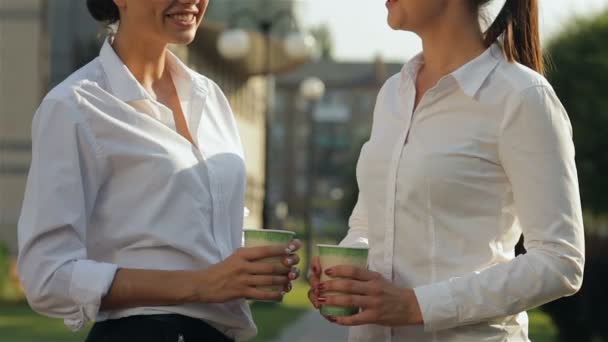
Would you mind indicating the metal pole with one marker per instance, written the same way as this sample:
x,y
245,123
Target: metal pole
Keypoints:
x,y
266,28
310,187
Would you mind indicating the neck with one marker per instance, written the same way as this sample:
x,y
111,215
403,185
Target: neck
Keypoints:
x,y
451,42
145,59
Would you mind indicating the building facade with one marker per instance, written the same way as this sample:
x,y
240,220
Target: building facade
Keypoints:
x,y
24,76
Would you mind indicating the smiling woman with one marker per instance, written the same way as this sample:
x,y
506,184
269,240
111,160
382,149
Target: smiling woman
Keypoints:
x,y
171,19
133,210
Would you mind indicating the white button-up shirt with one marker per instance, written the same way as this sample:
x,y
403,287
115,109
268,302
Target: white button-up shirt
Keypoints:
x,y
112,184
447,189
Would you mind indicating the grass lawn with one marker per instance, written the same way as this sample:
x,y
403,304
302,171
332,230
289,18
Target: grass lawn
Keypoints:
x,y
542,328
18,323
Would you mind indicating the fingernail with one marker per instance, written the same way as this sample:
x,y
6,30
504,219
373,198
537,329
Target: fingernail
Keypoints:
x,y
321,299
292,247
329,272
283,293
322,287
289,261
333,319
292,276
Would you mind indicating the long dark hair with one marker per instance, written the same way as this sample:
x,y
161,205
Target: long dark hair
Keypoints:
x,y
103,10
518,25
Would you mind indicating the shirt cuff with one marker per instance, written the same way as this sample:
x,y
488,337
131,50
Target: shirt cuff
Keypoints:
x,y
90,282
437,306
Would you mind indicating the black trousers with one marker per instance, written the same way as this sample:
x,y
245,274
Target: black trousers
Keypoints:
x,y
155,328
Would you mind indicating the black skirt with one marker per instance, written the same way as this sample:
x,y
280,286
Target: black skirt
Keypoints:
x,y
155,328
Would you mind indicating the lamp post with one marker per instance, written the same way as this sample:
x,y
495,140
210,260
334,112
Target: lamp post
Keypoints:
x,y
235,43
311,90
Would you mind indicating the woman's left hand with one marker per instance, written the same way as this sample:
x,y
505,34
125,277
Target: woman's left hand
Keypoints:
x,y
380,301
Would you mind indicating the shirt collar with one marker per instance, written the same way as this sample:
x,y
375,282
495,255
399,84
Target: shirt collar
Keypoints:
x,y
411,68
126,87
470,77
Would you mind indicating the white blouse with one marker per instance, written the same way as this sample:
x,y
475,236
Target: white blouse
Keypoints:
x,y
112,184
446,191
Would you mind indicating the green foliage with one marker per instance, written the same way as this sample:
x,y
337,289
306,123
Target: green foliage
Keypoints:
x,y
325,41
18,323
4,268
579,73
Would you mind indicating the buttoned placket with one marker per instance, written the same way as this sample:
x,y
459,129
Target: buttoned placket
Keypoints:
x,y
407,93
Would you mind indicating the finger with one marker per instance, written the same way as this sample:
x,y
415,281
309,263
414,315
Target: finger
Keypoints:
x,y
345,301
352,272
291,260
312,275
253,293
293,246
312,297
346,286
363,317
313,293
316,266
314,282
260,267
262,252
329,319
294,273
266,280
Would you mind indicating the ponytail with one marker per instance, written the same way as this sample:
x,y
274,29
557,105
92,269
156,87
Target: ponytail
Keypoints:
x,y
518,25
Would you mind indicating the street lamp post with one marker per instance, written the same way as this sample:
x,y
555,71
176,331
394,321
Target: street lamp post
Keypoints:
x,y
235,43
311,90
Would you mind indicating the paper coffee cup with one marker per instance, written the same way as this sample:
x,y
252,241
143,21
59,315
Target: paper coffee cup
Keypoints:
x,y
268,237
330,256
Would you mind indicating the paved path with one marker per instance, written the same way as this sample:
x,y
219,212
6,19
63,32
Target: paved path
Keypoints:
x,y
312,327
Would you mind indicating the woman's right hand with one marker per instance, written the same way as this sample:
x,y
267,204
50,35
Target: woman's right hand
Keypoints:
x,y
238,275
314,278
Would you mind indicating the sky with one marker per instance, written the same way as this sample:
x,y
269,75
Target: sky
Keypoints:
x,y
360,30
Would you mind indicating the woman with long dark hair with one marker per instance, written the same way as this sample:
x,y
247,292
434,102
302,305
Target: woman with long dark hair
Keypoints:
x,y
470,147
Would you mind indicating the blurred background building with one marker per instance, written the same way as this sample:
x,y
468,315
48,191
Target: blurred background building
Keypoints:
x,y
316,143
24,80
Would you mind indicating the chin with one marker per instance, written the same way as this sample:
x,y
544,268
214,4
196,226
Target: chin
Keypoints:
x,y
183,38
393,24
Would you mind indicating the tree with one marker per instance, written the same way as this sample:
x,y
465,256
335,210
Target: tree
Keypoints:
x,y
579,74
325,41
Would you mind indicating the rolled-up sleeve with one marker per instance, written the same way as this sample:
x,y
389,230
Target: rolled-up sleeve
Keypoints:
x,y
536,151
65,176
